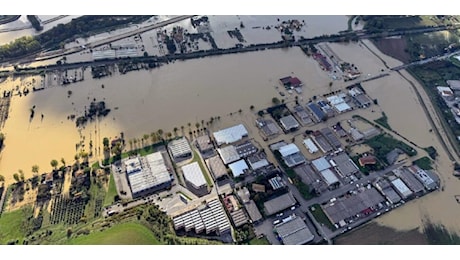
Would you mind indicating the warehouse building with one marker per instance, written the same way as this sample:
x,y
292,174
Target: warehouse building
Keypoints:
x,y
230,135
429,180
148,174
330,136
311,147
180,148
410,180
344,164
321,141
329,177
210,219
291,155
217,167
385,188
228,154
278,204
317,112
289,123
238,168
204,144
294,231
194,179
253,211
246,149
401,188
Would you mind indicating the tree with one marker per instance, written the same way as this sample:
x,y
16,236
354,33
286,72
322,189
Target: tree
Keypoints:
x,y
54,163
241,110
21,175
2,138
105,142
160,132
168,134
35,169
16,177
146,137
175,131
2,178
251,107
197,125
63,160
275,101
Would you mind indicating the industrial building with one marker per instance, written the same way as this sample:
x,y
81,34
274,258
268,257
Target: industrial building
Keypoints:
x,y
268,127
257,161
238,168
230,135
317,112
204,143
291,155
245,149
210,219
310,177
311,147
429,181
194,179
330,136
228,154
303,115
217,167
343,164
356,134
180,148
289,123
362,101
148,174
339,103
294,231
401,188
321,141
276,183
321,164
279,204
253,211
410,180
346,208
329,177
385,188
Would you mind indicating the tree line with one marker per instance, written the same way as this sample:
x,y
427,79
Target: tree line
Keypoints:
x,y
63,33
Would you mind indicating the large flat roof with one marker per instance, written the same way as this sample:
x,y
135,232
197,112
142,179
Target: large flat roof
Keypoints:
x,y
228,154
294,232
179,147
288,149
154,174
401,187
253,211
344,164
192,173
204,142
310,145
289,122
279,203
321,164
238,167
216,166
329,177
230,135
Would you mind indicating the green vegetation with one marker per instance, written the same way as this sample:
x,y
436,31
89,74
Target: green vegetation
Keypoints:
x,y
431,152
383,121
123,234
111,192
2,139
439,235
56,37
424,163
14,225
8,18
276,101
384,143
395,22
321,217
35,23
259,241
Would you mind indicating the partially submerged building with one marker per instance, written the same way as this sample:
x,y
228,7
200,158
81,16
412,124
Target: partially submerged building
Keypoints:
x,y
180,148
278,204
289,123
291,155
228,154
343,164
230,135
238,168
217,167
204,143
317,112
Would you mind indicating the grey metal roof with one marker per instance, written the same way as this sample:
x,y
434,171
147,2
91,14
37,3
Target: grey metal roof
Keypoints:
x,y
279,203
294,232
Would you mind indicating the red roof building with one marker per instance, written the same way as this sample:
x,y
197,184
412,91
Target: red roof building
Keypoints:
x,y
367,160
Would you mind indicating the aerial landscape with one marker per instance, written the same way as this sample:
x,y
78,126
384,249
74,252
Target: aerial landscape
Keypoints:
x,y
229,129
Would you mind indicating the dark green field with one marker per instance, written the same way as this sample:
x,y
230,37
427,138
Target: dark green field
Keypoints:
x,y
123,234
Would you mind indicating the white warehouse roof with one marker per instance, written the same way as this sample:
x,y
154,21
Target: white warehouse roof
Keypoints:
x,y
228,154
230,135
321,164
288,149
179,147
312,148
238,167
329,177
192,173
401,187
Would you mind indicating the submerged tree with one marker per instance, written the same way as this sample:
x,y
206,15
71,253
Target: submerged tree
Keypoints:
x,y
54,163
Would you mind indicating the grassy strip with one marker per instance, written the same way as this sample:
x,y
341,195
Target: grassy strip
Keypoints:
x,y
123,234
383,121
259,241
111,192
321,217
384,143
424,163
13,225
